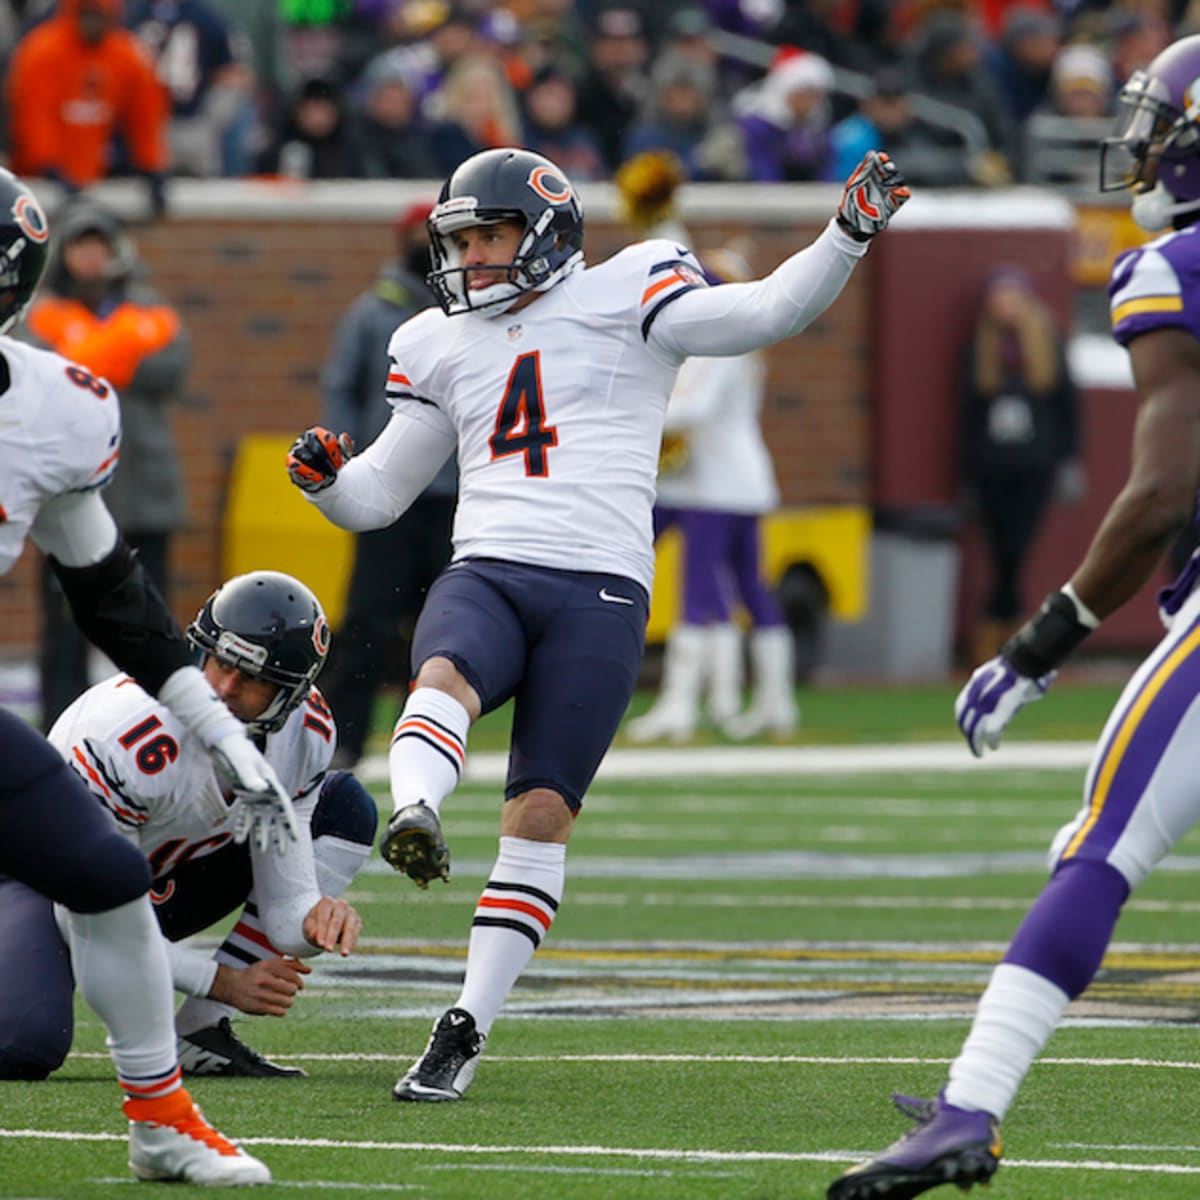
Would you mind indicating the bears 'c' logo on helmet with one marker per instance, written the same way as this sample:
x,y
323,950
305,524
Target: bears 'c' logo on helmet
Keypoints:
x,y
549,185
320,635
27,213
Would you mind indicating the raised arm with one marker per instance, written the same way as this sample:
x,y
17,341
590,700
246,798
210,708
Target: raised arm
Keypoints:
x,y
741,317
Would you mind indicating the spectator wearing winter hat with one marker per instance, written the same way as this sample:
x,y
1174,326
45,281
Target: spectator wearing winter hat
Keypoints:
x,y
1022,60
785,120
315,141
946,64
682,115
886,121
551,129
617,82
1081,83
1060,138
391,139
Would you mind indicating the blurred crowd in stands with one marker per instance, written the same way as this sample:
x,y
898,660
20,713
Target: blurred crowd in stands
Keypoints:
x,y
981,93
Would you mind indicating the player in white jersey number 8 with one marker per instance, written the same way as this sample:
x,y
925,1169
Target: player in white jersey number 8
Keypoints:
x,y
59,439
551,379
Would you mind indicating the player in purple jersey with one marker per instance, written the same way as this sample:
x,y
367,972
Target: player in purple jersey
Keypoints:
x,y
551,379
1141,794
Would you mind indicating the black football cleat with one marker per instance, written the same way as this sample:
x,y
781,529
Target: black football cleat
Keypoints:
x,y
413,844
448,1065
217,1050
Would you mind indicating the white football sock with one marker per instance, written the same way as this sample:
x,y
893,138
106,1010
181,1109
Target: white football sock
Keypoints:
x,y
121,967
512,916
1016,1016
429,748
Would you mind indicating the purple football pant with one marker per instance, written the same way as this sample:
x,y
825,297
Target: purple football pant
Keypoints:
x,y
721,567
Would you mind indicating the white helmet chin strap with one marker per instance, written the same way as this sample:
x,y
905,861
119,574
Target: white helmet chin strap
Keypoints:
x,y
1157,208
494,300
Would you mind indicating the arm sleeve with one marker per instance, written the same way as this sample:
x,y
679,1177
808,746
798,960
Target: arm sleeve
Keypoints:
x,y
377,486
285,889
192,971
114,603
739,317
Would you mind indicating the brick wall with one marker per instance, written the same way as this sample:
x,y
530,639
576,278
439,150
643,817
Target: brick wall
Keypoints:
x,y
260,298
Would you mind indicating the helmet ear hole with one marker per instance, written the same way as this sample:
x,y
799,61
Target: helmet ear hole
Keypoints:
x,y
24,238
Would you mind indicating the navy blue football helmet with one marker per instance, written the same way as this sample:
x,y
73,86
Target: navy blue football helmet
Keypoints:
x,y
505,185
24,248
273,628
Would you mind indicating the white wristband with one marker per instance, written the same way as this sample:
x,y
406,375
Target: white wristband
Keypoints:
x,y
1083,614
191,698
192,972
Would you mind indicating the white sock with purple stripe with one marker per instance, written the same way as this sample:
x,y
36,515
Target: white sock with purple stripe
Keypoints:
x,y
429,748
512,916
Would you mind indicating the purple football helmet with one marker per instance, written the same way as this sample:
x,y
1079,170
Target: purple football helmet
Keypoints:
x,y
1158,125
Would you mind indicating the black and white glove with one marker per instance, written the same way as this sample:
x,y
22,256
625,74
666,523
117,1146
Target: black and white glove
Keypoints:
x,y
262,808
316,457
261,811
873,195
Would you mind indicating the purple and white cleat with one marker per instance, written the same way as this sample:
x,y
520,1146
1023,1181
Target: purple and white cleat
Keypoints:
x,y
948,1145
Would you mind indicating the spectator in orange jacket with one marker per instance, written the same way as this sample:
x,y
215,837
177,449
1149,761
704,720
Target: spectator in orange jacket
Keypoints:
x,y
74,82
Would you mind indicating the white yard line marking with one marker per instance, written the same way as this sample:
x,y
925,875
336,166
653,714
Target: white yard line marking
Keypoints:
x,y
321,1184
1149,1147
712,761
643,1152
835,1060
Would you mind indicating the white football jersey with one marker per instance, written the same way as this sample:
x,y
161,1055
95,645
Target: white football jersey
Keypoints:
x,y
557,410
158,781
716,405
60,432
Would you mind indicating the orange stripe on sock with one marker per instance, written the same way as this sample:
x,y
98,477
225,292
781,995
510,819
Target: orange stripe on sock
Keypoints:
x,y
433,732
154,1091
530,910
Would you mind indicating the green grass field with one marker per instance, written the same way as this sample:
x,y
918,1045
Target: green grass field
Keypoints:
x,y
743,968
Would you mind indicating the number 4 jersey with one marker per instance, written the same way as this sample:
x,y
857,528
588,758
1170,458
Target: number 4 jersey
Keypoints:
x,y
557,411
60,432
